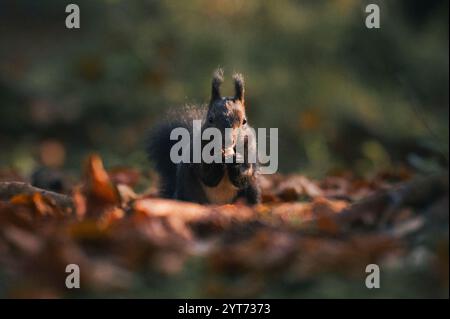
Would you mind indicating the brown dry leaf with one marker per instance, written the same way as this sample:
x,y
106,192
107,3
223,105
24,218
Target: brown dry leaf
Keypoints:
x,y
103,275
166,207
268,183
98,183
296,186
88,229
119,235
348,257
79,202
265,251
323,213
323,206
269,198
17,215
293,212
47,267
237,212
126,193
41,205
168,262
111,216
320,209
141,242
222,217
100,194
334,186
22,199
24,240
328,225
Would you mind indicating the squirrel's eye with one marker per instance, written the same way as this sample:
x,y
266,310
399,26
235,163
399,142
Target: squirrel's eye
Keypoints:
x,y
244,122
210,119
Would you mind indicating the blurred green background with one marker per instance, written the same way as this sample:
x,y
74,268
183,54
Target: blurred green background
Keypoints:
x,y
342,96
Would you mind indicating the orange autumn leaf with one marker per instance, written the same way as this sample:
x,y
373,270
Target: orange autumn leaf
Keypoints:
x,y
110,217
323,206
79,202
166,207
98,182
40,204
304,231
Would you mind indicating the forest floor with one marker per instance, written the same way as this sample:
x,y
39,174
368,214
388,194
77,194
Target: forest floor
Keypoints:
x,y
306,239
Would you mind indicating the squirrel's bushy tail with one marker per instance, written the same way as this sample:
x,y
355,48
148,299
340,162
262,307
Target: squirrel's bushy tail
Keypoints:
x,y
159,146
158,150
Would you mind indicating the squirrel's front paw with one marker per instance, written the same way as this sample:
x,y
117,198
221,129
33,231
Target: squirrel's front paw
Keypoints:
x,y
240,174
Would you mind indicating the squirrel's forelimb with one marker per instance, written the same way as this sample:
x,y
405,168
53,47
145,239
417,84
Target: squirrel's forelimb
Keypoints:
x,y
215,183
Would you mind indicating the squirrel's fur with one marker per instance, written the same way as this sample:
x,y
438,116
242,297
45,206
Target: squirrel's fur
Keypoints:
x,y
215,183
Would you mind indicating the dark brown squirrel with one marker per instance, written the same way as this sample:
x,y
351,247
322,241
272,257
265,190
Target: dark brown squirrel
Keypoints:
x,y
208,183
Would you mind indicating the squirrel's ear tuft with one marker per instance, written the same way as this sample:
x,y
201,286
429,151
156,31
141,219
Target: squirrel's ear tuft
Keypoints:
x,y
216,82
239,86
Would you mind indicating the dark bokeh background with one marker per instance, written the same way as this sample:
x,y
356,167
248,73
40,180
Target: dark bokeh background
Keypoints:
x,y
342,96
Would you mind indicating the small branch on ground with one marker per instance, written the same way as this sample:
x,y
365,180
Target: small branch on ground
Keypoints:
x,y
10,189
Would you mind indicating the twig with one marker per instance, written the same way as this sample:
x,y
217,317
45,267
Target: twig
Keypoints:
x,y
9,189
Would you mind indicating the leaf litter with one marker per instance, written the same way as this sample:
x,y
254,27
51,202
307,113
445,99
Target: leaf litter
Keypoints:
x,y
306,239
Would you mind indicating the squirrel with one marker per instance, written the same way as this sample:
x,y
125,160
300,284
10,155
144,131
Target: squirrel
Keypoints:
x,y
208,183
